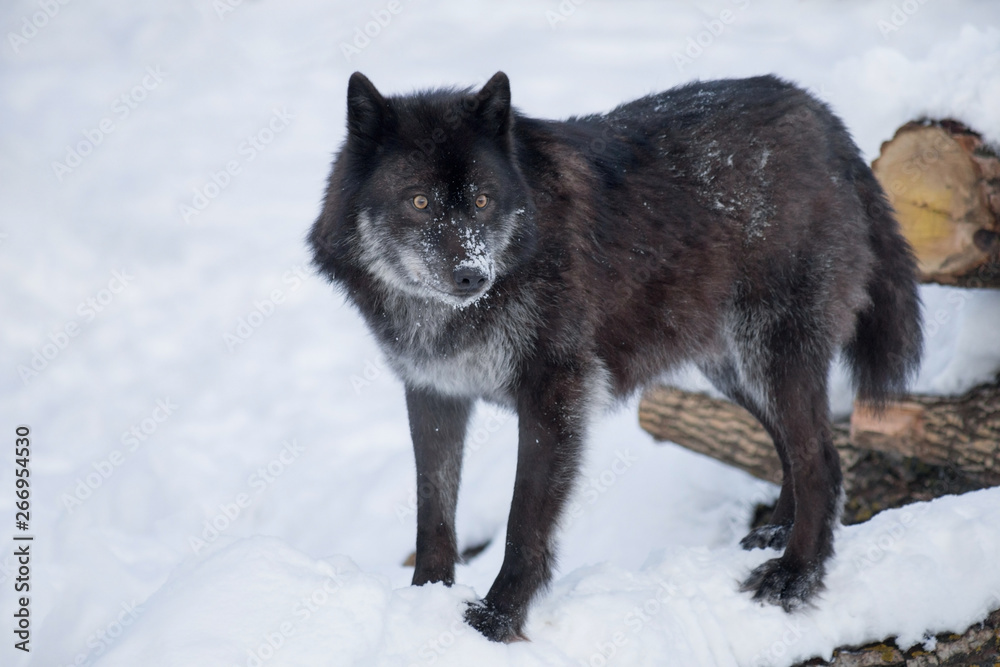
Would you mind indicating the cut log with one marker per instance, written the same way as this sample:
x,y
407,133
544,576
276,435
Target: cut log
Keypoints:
x,y
944,183
961,432
918,449
720,429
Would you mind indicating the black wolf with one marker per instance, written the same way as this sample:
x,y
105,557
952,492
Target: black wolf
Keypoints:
x,y
555,267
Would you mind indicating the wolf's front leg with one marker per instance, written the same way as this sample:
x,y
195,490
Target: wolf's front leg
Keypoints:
x,y
437,426
551,418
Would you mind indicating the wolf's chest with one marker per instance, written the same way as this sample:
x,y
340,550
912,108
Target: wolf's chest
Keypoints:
x,y
460,359
484,369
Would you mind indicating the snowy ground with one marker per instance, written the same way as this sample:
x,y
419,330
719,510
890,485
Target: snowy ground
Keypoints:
x,y
221,469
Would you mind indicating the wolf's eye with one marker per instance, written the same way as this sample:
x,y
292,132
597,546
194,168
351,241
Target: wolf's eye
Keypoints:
x,y
420,202
482,201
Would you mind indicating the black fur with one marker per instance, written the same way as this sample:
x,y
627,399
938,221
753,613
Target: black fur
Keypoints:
x,y
552,267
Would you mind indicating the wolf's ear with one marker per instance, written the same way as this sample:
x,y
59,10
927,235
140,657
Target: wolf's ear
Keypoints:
x,y
366,109
493,108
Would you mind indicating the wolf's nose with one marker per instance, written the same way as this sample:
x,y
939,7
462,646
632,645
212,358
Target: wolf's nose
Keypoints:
x,y
469,279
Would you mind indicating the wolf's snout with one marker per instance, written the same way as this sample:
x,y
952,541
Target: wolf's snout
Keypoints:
x,y
469,280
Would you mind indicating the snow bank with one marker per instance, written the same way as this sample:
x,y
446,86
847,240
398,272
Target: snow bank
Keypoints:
x,y
911,572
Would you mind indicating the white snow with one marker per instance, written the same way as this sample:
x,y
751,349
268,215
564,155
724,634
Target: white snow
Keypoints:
x,y
679,608
221,458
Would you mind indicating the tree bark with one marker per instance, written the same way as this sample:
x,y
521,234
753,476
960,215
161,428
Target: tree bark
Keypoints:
x,y
720,429
958,437
944,183
962,432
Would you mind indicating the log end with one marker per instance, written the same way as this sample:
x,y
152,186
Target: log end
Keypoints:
x,y
944,183
898,427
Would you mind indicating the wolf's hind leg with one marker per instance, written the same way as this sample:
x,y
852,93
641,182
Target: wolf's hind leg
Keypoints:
x,y
801,416
774,534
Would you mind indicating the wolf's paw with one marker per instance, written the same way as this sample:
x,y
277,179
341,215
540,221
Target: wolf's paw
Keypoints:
x,y
770,536
779,583
493,624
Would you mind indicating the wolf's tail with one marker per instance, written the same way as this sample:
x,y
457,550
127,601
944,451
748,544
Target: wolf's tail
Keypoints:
x,y
884,354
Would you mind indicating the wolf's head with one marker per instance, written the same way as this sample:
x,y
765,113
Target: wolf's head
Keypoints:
x,y
430,197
